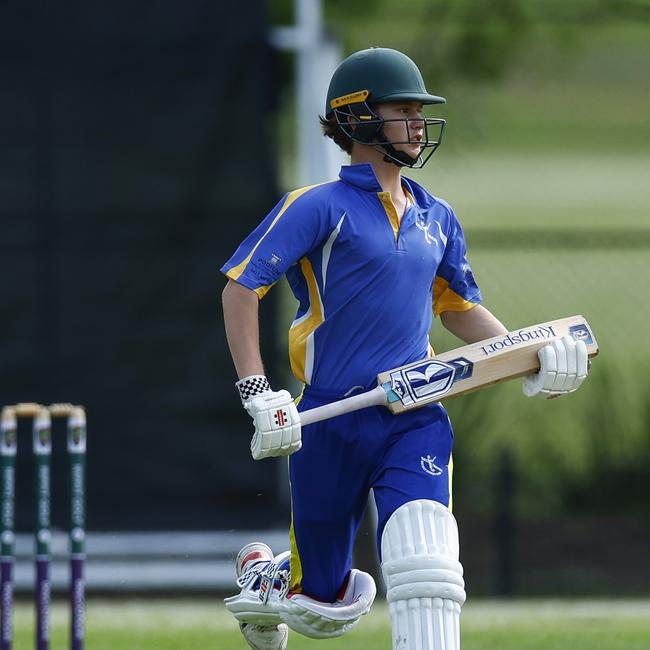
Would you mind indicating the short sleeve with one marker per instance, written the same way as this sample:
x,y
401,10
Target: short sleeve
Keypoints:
x,y
454,288
287,233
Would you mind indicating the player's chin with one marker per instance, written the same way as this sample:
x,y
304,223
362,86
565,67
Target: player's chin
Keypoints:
x,y
412,150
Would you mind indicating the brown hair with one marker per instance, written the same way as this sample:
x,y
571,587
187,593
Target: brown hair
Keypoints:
x,y
331,129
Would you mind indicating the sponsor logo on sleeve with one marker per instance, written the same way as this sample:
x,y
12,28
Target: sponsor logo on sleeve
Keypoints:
x,y
270,264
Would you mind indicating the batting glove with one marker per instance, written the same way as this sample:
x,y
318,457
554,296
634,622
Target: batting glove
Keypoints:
x,y
563,368
275,417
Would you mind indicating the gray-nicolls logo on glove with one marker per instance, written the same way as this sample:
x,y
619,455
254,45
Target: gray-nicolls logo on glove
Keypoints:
x,y
275,418
280,417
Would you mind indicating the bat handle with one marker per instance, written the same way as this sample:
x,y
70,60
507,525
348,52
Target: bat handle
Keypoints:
x,y
375,397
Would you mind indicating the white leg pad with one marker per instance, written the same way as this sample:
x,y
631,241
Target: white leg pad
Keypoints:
x,y
325,620
424,579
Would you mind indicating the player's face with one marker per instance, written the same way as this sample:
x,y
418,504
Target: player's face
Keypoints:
x,y
408,127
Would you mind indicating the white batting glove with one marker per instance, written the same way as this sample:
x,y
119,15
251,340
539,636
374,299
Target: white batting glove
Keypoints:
x,y
563,368
275,417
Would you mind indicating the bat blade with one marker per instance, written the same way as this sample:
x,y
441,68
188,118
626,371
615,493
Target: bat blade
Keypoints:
x,y
462,370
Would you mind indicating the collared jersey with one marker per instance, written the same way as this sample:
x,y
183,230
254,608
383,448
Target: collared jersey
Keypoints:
x,y
366,283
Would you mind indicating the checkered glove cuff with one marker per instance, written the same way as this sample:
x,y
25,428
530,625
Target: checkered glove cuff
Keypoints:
x,y
248,387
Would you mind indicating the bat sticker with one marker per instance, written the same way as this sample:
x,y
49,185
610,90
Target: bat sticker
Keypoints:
x,y
422,381
581,333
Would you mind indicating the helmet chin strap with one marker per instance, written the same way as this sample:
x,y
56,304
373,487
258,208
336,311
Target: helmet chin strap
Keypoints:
x,y
391,155
399,158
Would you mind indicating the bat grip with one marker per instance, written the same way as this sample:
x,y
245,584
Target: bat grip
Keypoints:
x,y
374,397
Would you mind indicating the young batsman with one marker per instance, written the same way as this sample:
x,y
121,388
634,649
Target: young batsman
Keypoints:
x,y
371,257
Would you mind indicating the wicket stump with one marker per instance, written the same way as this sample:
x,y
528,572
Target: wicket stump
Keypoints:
x,y
42,450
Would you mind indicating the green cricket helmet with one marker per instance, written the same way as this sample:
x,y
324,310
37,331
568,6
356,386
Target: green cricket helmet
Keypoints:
x,y
375,76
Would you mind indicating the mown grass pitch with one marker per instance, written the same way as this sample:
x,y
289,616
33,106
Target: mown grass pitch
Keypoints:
x,y
487,625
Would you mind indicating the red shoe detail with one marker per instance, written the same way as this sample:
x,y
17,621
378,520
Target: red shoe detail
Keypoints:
x,y
255,555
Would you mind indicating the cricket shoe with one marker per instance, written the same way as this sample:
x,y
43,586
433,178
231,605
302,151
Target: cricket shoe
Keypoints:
x,y
265,637
260,577
250,555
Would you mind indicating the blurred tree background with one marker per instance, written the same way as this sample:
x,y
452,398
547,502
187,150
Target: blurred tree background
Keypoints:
x,y
546,162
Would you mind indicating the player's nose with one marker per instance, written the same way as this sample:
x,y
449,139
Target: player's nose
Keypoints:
x,y
416,122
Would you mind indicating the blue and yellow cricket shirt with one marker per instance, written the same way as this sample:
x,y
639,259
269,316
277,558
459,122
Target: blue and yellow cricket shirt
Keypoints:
x,y
366,283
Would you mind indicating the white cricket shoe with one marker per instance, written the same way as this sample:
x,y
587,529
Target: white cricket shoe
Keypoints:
x,y
252,554
260,637
263,637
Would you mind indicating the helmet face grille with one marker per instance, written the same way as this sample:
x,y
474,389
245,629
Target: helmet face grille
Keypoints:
x,y
362,124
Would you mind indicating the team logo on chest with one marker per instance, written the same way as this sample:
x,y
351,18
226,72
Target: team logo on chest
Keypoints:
x,y
424,227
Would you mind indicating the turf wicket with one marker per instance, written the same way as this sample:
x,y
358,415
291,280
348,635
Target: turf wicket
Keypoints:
x,y
42,449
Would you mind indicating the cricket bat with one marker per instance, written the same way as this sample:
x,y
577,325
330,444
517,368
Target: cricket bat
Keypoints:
x,y
460,371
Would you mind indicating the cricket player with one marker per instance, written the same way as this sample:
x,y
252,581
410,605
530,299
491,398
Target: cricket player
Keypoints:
x,y
371,258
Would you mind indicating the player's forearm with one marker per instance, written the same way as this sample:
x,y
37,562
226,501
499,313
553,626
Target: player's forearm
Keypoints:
x,y
473,325
241,318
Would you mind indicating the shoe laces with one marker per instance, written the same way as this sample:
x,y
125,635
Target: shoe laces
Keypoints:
x,y
268,574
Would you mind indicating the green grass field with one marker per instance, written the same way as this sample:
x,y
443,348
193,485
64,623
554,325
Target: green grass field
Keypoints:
x,y
487,625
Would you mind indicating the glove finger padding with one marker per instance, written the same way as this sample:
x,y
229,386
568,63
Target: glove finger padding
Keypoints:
x,y
561,347
563,368
582,363
578,365
572,365
277,425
